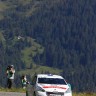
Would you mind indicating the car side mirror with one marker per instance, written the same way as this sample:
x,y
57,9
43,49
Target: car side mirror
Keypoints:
x,y
69,85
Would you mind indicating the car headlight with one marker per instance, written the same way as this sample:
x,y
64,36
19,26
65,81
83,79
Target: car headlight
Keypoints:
x,y
40,89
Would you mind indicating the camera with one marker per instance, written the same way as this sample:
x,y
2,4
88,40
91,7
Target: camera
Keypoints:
x,y
9,67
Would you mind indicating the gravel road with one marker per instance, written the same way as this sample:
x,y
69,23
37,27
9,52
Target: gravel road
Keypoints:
x,y
12,94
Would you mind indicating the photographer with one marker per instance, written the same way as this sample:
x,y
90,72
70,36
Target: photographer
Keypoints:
x,y
10,76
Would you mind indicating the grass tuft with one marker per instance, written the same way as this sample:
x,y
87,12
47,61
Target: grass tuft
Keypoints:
x,y
84,94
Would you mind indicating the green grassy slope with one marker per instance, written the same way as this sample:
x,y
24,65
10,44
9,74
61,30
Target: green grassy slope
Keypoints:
x,y
13,90
29,52
84,94
37,69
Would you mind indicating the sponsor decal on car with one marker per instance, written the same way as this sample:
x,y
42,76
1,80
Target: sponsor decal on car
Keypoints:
x,y
54,87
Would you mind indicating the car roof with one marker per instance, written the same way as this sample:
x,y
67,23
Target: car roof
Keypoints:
x,y
49,76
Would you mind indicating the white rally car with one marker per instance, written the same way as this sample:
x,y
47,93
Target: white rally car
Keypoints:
x,y
48,85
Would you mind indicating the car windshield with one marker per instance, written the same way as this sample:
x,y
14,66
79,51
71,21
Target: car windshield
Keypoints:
x,y
51,81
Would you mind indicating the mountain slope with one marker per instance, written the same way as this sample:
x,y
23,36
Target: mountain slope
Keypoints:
x,y
64,28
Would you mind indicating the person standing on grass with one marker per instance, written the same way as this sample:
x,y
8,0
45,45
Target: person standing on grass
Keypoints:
x,y
10,76
24,81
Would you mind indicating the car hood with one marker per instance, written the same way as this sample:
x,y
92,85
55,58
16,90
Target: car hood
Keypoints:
x,y
54,88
